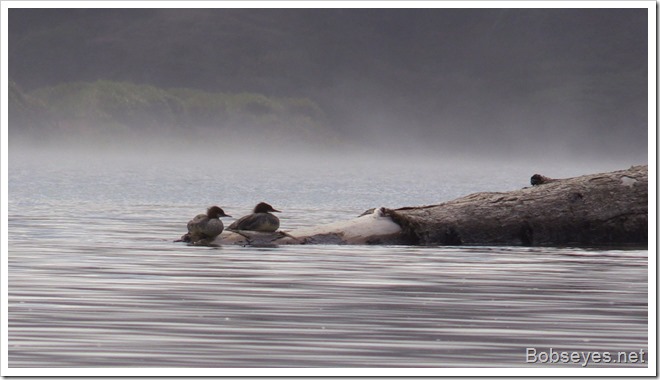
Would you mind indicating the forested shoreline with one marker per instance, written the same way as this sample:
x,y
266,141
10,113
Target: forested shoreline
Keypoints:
x,y
110,108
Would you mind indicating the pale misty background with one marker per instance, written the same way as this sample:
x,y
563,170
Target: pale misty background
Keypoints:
x,y
539,86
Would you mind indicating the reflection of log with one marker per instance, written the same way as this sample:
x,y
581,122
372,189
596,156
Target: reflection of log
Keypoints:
x,y
598,209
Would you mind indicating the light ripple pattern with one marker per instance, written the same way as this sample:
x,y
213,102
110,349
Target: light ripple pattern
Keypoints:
x,y
95,280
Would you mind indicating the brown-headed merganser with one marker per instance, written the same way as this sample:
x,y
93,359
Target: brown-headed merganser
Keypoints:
x,y
260,220
205,226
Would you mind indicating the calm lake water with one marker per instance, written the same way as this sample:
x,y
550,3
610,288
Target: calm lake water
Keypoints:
x,y
95,279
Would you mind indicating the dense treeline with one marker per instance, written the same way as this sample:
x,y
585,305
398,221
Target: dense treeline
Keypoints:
x,y
106,108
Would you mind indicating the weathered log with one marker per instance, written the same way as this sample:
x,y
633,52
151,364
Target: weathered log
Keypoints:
x,y
598,209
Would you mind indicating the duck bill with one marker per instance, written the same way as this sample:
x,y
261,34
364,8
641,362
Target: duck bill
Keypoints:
x,y
273,210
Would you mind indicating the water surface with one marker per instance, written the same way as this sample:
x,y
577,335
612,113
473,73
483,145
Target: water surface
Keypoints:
x,y
96,281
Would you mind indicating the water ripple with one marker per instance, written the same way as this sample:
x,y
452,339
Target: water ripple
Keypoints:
x,y
95,280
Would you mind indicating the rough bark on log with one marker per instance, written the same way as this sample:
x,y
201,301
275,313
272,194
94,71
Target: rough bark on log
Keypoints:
x,y
599,209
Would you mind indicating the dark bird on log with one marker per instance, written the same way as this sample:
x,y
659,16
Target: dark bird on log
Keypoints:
x,y
260,220
205,227
538,179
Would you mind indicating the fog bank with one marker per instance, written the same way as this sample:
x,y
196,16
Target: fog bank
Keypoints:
x,y
535,87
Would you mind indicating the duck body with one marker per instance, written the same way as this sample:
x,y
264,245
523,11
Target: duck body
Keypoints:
x,y
206,227
260,220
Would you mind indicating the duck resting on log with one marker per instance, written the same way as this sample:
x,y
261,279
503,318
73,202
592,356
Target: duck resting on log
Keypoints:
x,y
590,210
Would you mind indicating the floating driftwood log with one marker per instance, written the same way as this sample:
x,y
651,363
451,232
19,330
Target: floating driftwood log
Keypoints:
x,y
598,209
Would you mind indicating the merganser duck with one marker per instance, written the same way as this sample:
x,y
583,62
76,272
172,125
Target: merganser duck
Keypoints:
x,y
205,226
260,220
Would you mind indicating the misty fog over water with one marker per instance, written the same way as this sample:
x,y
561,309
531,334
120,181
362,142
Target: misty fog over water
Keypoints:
x,y
503,84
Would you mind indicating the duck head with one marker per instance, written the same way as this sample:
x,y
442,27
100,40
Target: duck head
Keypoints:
x,y
216,212
264,207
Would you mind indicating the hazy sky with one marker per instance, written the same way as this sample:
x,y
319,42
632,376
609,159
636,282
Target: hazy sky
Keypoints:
x,y
532,81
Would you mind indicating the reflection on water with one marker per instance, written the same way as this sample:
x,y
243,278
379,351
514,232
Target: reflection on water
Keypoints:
x,y
95,280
